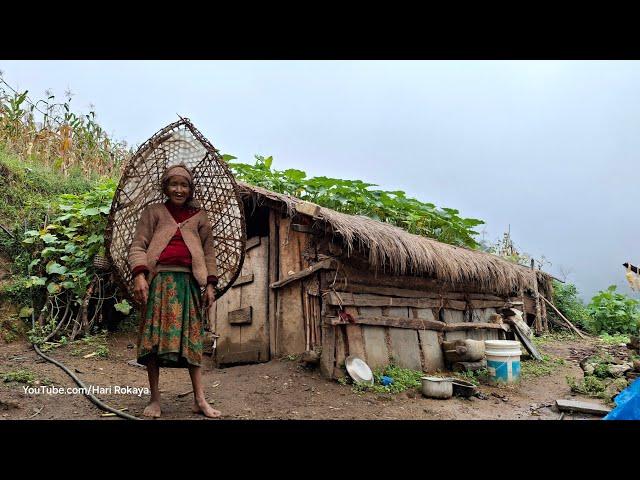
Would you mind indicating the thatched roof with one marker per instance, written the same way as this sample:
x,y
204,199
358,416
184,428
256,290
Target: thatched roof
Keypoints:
x,y
399,252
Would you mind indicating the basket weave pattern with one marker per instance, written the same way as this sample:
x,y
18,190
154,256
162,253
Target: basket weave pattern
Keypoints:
x,y
215,190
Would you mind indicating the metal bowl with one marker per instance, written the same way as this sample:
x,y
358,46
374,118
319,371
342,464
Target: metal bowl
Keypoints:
x,y
462,388
358,370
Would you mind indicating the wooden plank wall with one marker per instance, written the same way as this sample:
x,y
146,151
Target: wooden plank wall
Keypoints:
x,y
291,307
245,342
419,348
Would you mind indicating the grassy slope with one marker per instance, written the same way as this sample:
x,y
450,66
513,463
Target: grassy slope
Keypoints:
x,y
26,188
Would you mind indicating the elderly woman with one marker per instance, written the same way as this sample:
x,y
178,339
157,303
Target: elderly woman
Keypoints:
x,y
171,256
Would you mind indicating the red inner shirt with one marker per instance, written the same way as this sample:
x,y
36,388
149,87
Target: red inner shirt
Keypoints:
x,y
177,252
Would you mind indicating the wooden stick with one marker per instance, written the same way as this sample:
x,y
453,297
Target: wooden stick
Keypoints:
x,y
7,231
563,317
328,264
37,412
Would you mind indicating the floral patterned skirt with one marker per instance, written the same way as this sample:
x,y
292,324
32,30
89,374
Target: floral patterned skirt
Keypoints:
x,y
171,323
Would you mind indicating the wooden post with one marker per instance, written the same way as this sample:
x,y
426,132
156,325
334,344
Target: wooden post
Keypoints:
x,y
538,323
545,319
274,275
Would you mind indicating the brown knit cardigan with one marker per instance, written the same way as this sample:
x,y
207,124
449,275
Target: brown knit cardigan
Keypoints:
x,y
155,229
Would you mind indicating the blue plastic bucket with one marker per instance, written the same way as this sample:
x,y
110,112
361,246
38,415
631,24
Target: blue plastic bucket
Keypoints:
x,y
503,360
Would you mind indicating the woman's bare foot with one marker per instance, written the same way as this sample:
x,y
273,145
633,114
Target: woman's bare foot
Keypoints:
x,y
203,407
152,410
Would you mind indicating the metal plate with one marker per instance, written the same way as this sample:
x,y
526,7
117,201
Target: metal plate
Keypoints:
x,y
359,370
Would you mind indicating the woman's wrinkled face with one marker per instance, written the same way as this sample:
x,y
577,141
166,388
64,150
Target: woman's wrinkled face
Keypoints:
x,y
178,190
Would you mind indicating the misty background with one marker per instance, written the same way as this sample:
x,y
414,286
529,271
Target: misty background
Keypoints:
x,y
548,148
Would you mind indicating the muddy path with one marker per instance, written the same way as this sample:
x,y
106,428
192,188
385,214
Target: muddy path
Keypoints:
x,y
279,389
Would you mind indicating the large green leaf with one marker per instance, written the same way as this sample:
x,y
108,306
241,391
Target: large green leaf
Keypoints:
x,y
33,264
37,281
123,307
88,212
55,267
49,238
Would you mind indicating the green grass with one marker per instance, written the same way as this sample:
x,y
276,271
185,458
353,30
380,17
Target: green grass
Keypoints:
x,y
557,336
476,377
593,386
19,376
29,190
590,386
11,326
403,379
613,339
540,368
90,344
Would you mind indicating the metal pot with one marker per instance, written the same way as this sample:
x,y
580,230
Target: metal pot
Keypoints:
x,y
437,387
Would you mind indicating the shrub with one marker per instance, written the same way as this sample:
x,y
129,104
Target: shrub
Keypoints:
x,y
613,313
565,298
356,197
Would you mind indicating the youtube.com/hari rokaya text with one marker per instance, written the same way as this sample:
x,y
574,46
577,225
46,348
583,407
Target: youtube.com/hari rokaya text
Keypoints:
x,y
93,389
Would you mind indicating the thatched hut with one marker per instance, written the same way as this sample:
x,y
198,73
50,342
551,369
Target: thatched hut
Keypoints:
x,y
315,279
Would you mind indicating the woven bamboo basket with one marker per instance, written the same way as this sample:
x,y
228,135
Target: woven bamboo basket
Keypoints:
x,y
215,190
101,262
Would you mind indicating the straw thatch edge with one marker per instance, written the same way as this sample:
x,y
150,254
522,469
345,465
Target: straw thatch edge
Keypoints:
x,y
394,250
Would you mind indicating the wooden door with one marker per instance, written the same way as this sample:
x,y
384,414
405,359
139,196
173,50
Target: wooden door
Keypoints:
x,y
241,313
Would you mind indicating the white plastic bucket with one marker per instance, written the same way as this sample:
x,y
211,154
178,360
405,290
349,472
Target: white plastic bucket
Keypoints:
x,y
503,360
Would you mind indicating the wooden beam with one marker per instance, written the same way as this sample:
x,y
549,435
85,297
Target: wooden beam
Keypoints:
x,y
252,242
367,300
582,407
297,227
243,280
444,301
400,322
415,323
409,293
488,304
328,264
307,208
454,327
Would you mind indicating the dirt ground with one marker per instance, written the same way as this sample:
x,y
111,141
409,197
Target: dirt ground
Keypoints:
x,y
279,389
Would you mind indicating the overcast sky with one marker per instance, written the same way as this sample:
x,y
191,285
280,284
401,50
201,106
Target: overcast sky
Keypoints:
x,y
548,147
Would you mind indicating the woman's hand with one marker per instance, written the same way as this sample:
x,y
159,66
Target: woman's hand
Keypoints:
x,y
140,289
209,296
